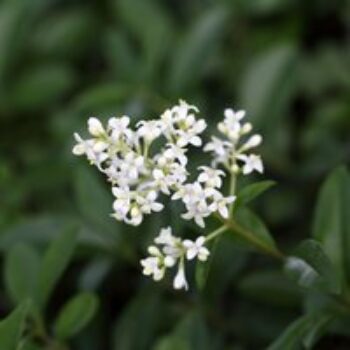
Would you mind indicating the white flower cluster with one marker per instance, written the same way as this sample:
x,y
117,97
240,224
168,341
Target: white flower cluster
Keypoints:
x,y
138,176
170,251
231,151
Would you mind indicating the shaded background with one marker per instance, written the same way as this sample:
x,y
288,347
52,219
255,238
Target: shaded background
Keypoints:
x,y
286,62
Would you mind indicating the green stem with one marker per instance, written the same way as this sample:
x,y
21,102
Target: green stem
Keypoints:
x,y
215,233
251,238
232,190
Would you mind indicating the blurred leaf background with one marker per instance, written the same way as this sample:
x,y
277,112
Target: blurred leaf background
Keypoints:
x,y
286,62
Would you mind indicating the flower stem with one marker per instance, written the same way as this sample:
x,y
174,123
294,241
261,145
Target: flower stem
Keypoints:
x,y
216,233
232,189
252,238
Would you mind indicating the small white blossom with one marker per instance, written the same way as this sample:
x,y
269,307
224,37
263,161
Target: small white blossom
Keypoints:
x,y
148,203
95,127
122,203
151,267
211,177
196,249
220,204
180,281
252,142
119,127
149,130
165,237
251,163
173,152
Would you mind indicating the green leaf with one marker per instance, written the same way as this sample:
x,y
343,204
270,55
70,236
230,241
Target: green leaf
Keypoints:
x,y
317,331
190,332
270,287
151,25
101,98
21,273
248,193
219,272
300,333
65,34
255,225
42,86
172,343
331,226
196,49
12,327
311,267
75,315
55,261
266,102
291,338
95,203
121,58
142,317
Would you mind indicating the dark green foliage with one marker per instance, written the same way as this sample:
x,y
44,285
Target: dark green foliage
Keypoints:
x,y
285,62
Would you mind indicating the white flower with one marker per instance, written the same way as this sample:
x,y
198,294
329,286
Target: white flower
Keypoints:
x,y
95,127
189,132
211,177
136,216
148,203
231,126
165,237
252,142
251,163
194,249
173,152
132,165
149,130
161,181
197,211
220,149
121,205
220,204
82,146
119,128
180,281
151,267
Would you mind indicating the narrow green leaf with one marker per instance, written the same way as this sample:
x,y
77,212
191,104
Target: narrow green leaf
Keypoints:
x,y
95,203
291,338
311,267
151,25
12,327
194,332
196,49
41,86
316,332
331,224
270,287
266,102
255,225
248,193
65,34
21,273
172,343
101,98
301,333
55,261
75,315
142,317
